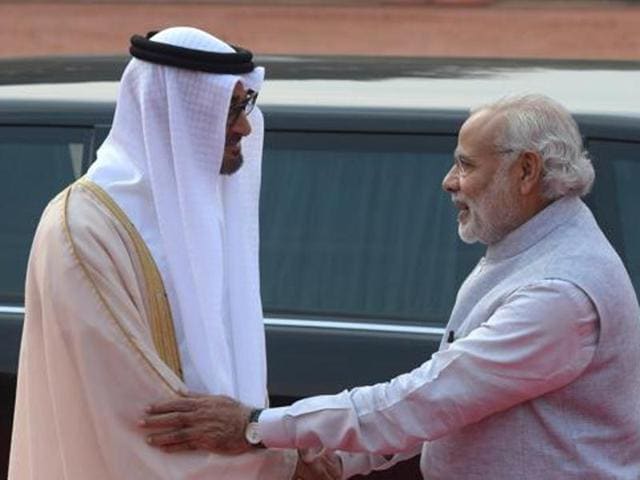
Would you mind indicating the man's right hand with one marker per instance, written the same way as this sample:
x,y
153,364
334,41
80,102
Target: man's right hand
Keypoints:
x,y
198,422
317,465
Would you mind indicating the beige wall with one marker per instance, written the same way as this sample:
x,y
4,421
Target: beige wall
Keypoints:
x,y
570,29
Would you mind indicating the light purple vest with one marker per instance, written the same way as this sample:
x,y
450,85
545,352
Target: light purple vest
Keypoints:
x,y
587,430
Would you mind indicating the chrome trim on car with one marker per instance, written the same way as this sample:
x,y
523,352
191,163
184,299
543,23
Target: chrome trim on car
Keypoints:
x,y
323,324
360,326
8,309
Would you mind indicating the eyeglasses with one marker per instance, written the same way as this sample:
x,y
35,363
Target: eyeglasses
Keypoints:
x,y
246,106
462,165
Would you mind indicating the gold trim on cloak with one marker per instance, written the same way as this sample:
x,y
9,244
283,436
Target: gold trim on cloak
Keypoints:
x,y
162,329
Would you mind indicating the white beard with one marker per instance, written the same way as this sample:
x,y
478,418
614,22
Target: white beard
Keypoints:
x,y
491,216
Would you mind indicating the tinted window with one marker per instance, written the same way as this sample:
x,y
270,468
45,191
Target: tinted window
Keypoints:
x,y
357,226
35,164
616,198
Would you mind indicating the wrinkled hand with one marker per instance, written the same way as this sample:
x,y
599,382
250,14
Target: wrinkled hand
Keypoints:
x,y
198,422
317,465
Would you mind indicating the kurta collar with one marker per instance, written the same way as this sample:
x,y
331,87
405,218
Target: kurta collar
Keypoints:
x,y
532,231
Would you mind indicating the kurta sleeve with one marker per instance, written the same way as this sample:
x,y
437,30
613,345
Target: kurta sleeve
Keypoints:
x,y
88,367
540,339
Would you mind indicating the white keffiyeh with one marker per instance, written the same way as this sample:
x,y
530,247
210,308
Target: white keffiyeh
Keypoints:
x,y
161,164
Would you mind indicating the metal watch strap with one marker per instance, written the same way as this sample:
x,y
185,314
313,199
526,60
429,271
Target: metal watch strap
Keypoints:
x,y
255,415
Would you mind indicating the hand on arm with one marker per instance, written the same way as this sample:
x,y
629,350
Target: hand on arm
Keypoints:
x,y
540,339
198,422
218,424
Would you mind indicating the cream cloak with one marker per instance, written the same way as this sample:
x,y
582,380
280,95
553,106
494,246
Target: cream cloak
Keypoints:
x,y
97,347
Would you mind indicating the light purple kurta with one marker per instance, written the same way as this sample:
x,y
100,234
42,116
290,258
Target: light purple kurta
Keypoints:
x,y
543,380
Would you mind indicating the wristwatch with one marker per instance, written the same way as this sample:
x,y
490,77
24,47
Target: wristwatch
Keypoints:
x,y
251,432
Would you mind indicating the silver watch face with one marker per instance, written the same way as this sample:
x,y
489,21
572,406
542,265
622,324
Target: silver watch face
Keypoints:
x,y
251,434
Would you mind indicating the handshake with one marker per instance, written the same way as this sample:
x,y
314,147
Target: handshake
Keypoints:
x,y
219,424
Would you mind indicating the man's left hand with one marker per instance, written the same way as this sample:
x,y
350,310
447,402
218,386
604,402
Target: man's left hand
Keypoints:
x,y
198,422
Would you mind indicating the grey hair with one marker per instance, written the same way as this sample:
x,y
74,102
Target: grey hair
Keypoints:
x,y
539,124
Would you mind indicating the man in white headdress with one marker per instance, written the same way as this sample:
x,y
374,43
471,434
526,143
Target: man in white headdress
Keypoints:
x,y
143,277
538,376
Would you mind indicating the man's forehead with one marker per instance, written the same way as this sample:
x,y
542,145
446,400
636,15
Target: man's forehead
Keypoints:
x,y
481,128
478,137
484,122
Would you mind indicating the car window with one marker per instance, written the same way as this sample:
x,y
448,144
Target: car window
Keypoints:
x,y
35,164
615,198
356,226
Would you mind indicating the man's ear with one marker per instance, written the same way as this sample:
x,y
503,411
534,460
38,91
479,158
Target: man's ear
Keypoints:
x,y
530,166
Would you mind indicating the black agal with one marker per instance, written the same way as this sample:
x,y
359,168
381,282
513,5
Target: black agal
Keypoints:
x,y
191,59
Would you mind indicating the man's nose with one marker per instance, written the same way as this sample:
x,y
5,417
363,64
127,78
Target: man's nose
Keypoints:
x,y
450,181
242,126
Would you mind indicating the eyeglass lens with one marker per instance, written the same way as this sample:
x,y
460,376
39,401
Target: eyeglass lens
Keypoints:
x,y
245,105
